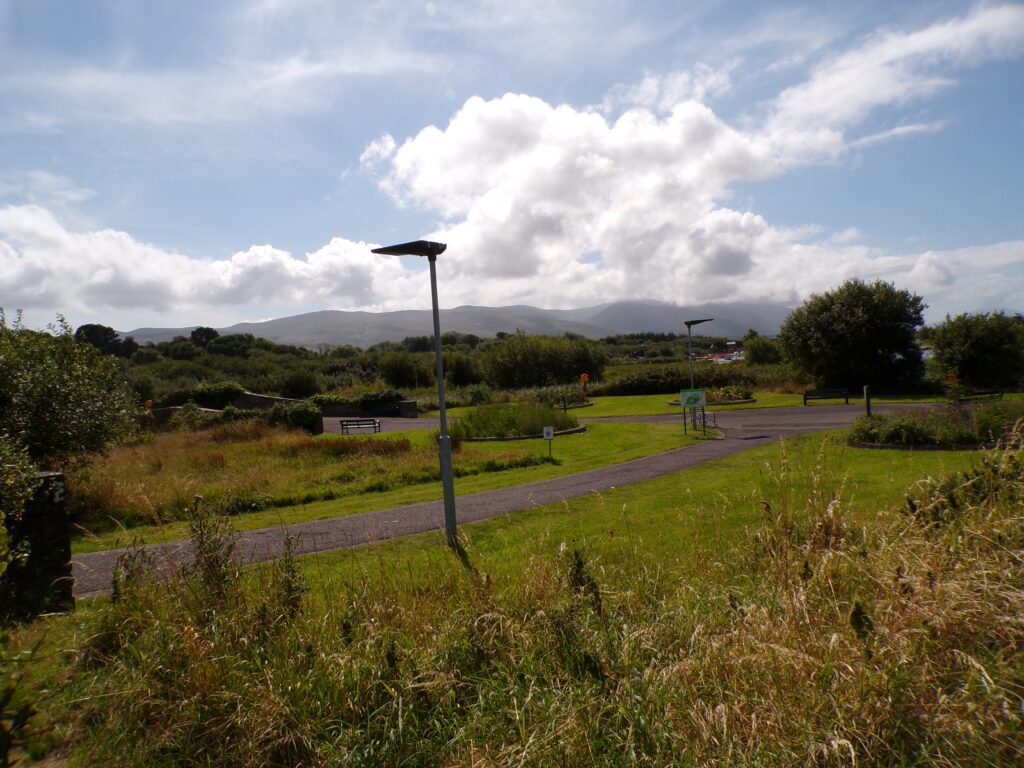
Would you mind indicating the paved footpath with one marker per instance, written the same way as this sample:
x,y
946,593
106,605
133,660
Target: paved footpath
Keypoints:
x,y
742,429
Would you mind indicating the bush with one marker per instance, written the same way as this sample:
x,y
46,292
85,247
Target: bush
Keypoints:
x,y
521,360
18,482
60,397
985,351
758,350
951,426
305,415
728,394
218,395
300,384
513,420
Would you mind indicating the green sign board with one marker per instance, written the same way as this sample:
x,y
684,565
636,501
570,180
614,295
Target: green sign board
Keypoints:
x,y
692,398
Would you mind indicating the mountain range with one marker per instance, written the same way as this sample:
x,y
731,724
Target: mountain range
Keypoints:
x,y
362,329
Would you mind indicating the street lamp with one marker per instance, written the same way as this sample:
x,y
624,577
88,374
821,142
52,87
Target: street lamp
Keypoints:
x,y
689,354
431,251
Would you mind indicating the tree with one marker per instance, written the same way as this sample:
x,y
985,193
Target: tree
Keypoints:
x,y
757,350
985,351
106,340
859,333
202,336
59,397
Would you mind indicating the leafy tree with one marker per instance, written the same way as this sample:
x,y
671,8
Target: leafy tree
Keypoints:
x,y
983,350
520,360
59,397
106,340
859,333
757,350
402,369
232,345
202,336
179,348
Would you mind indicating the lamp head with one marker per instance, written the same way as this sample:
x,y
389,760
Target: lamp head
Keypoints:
x,y
416,248
690,323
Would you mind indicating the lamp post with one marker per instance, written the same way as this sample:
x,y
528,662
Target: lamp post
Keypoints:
x,y
431,251
689,340
689,360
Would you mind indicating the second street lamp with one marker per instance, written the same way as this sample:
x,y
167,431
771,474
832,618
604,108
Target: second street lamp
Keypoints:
x,y
431,251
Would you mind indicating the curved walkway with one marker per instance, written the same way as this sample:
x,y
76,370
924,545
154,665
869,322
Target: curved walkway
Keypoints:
x,y
742,429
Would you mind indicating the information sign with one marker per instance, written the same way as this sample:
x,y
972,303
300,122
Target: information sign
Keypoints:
x,y
692,398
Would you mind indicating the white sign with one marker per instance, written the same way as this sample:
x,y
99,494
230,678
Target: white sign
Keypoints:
x,y
549,433
692,398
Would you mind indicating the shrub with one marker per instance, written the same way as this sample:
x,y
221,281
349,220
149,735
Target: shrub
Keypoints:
x,y
18,482
967,425
216,395
61,397
728,394
303,415
520,360
300,384
513,420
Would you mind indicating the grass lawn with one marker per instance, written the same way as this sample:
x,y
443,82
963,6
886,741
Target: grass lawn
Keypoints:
x,y
191,465
705,509
654,583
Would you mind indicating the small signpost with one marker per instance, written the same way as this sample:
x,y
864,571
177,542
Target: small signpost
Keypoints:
x,y
549,435
693,399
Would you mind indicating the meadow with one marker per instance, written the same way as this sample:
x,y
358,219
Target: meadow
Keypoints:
x,y
266,476
786,605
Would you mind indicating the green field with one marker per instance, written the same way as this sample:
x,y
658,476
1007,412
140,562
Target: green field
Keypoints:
x,y
756,611
706,508
178,467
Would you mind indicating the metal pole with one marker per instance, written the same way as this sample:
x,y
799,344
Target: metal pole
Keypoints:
x,y
444,443
689,360
867,399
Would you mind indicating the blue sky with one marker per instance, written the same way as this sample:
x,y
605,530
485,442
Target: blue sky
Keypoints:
x,y
174,163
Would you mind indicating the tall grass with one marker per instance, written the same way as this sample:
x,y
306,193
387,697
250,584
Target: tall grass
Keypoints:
x,y
518,419
815,642
248,466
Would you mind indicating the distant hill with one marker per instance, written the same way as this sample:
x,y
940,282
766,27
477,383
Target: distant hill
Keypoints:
x,y
362,329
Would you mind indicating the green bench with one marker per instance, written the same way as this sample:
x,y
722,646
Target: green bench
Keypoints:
x,y
827,394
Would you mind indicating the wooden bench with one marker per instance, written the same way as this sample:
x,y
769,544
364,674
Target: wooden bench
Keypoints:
x,y
827,394
979,397
347,425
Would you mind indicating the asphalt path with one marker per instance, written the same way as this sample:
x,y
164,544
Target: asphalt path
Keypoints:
x,y
741,429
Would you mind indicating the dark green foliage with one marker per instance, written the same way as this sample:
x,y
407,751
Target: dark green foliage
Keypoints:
x,y
106,340
860,333
404,369
950,426
666,379
232,345
18,482
761,351
461,369
521,360
305,415
179,349
60,397
300,384
202,336
985,351
216,395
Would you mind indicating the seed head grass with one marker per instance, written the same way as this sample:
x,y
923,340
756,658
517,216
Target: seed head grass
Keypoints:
x,y
819,639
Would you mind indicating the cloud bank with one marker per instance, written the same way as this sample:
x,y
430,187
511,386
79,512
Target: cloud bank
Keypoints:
x,y
558,206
